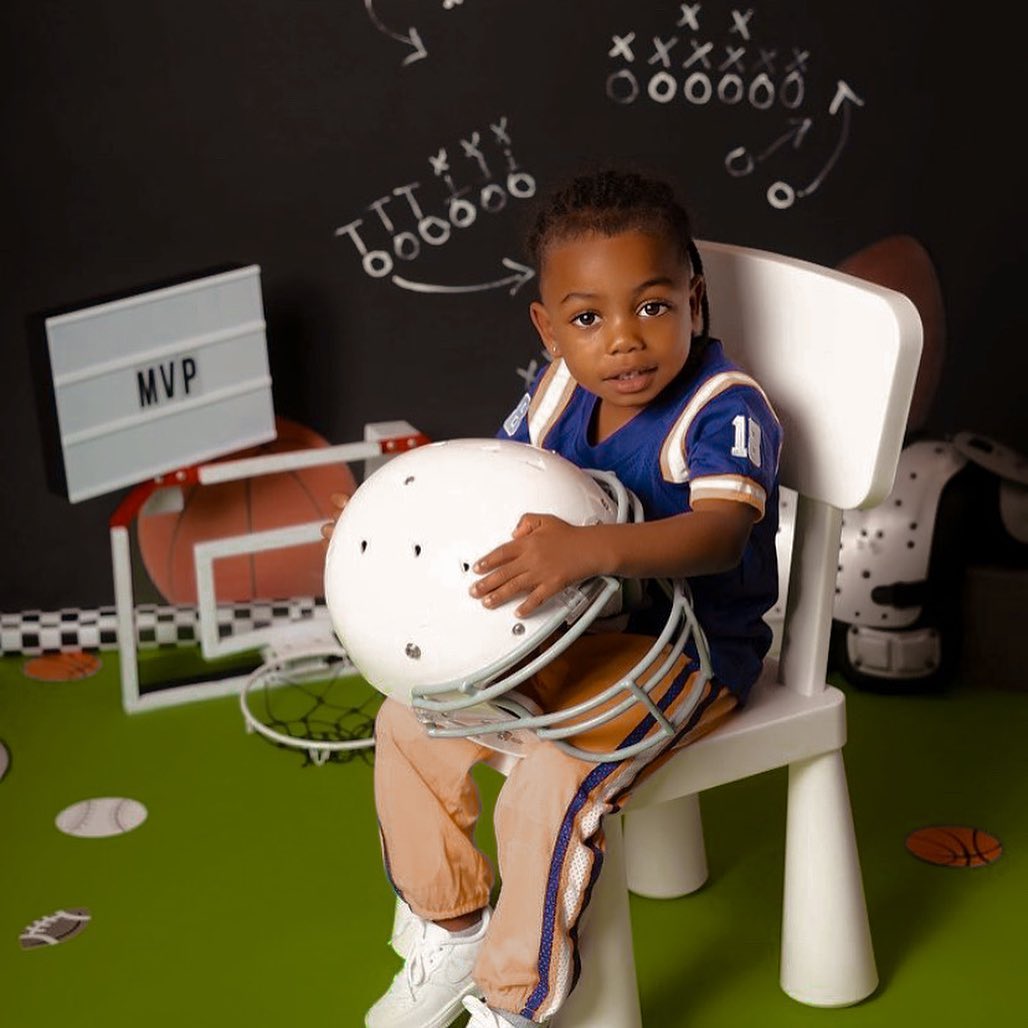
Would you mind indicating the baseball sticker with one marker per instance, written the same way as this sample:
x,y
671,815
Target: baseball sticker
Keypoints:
x,y
101,816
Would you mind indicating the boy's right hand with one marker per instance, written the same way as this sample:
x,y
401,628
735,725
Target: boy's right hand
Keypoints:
x,y
339,501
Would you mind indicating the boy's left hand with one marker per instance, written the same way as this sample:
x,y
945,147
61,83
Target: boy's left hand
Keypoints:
x,y
545,555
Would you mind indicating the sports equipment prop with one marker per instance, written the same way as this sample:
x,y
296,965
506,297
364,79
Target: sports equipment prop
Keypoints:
x,y
290,497
309,698
397,578
902,563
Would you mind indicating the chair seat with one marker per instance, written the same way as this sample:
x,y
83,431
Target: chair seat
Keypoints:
x,y
776,727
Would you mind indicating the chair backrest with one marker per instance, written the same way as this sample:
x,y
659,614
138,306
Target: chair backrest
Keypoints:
x,y
838,357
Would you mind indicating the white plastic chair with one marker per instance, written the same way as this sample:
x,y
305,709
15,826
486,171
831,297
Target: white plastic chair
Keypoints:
x,y
838,357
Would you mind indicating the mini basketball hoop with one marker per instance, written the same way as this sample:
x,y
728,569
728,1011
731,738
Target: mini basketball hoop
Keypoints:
x,y
312,700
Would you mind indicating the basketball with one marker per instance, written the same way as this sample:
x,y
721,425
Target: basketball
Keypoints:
x,y
222,509
954,846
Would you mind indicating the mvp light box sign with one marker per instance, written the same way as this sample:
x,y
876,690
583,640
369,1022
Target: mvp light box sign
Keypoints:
x,y
160,380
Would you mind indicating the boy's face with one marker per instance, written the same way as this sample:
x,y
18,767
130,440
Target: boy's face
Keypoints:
x,y
621,310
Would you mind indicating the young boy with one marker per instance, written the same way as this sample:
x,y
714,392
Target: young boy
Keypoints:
x,y
636,388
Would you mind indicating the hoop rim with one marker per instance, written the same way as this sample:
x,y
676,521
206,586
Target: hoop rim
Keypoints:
x,y
313,747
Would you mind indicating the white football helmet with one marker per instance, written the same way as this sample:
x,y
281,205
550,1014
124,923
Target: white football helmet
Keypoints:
x,y
397,578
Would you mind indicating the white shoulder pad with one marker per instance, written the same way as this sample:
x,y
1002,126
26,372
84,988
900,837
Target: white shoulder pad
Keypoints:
x,y
890,544
1012,469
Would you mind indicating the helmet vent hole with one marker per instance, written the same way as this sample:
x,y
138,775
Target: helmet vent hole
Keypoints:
x,y
408,480
417,549
518,629
364,545
465,566
413,651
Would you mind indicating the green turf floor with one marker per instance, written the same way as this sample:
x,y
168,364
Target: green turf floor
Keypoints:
x,y
253,893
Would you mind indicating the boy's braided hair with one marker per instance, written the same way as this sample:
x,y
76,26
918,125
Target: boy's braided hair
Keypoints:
x,y
613,201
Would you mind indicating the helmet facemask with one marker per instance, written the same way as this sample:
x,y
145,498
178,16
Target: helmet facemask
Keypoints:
x,y
397,580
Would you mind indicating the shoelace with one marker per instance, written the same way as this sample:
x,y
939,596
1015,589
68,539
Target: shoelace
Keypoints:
x,y
421,959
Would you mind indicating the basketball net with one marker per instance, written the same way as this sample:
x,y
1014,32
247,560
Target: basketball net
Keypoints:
x,y
312,700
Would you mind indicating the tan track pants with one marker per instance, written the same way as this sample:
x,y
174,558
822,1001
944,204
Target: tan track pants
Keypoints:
x,y
548,819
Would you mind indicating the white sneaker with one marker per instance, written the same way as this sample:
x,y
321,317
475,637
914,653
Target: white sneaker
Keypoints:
x,y
483,1016
428,990
405,928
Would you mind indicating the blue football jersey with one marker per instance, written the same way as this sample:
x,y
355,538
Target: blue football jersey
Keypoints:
x,y
710,433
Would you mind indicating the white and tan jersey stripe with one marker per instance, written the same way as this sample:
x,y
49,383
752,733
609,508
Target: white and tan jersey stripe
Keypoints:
x,y
728,487
550,399
673,465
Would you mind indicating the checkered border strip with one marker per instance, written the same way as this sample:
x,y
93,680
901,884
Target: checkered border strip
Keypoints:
x,y
34,632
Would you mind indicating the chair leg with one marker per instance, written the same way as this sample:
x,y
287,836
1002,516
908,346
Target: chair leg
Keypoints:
x,y
664,852
827,957
607,992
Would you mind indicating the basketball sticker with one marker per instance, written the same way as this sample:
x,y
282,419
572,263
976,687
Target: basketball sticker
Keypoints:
x,y
100,817
62,667
954,846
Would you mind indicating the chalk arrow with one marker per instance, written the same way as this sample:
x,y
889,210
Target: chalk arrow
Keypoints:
x,y
800,127
740,161
521,275
412,39
844,98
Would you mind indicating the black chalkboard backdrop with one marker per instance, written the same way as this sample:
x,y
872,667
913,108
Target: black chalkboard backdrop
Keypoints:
x,y
377,159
